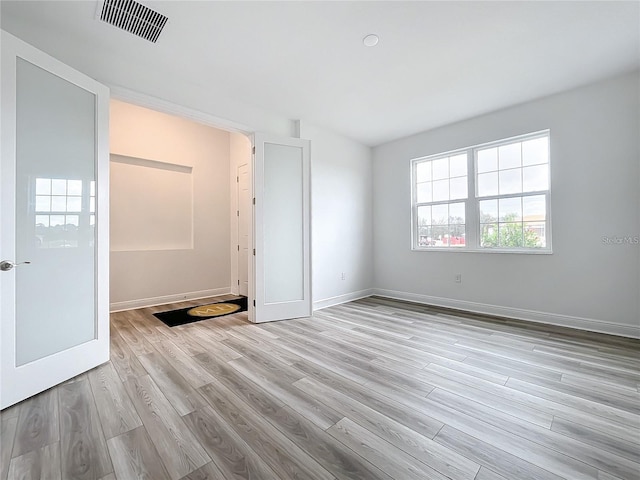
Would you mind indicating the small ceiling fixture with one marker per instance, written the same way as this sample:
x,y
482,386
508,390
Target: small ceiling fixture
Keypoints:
x,y
132,17
370,40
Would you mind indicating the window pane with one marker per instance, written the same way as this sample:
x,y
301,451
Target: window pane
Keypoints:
x,y
458,165
510,209
488,160
43,186
92,188
92,204
58,186
440,214
424,237
423,171
456,236
439,234
58,204
510,234
74,187
435,235
489,235
488,211
43,203
535,234
458,188
72,220
535,151
535,179
440,168
56,220
440,190
509,156
534,208
456,213
74,204
510,181
42,220
92,219
424,215
487,184
422,195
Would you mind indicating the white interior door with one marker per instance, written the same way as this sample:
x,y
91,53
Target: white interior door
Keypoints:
x,y
244,217
54,214
282,228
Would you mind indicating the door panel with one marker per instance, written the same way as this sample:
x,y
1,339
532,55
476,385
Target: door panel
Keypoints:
x,y
282,240
54,178
283,205
53,224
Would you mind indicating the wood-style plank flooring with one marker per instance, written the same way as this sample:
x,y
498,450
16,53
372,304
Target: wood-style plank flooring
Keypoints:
x,y
373,389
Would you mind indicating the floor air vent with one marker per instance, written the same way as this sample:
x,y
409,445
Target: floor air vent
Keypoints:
x,y
133,17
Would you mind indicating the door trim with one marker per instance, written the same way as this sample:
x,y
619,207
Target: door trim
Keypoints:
x,y
164,106
239,266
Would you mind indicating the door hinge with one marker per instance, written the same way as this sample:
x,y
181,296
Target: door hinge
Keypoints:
x,y
238,247
238,282
253,150
237,213
237,179
254,200
254,303
254,251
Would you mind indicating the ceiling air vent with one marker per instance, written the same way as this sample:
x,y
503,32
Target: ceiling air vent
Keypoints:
x,y
133,17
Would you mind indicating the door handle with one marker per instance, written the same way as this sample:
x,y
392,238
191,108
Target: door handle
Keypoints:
x,y
6,265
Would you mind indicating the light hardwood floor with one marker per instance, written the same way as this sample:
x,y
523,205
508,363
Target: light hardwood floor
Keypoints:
x,y
373,389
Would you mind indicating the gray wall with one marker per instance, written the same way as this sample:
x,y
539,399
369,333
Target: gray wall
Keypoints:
x,y
341,217
595,185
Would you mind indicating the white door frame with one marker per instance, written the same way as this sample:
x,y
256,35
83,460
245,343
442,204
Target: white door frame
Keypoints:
x,y
20,382
239,220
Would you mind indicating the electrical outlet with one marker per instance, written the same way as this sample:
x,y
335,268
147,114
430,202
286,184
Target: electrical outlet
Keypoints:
x,y
458,278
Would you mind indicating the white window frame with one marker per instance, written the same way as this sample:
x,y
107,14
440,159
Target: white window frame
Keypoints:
x,y
472,202
415,204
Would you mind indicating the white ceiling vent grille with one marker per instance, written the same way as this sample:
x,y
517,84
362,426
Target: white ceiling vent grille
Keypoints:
x,y
133,17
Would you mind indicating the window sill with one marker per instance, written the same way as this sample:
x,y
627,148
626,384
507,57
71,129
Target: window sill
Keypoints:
x,y
545,251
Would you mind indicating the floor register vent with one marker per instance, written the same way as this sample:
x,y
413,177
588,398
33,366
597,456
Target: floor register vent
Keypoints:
x,y
132,17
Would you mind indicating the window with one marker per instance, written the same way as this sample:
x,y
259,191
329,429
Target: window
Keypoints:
x,y
491,197
441,184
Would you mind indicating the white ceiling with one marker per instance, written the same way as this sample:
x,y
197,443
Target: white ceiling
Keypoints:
x,y
436,62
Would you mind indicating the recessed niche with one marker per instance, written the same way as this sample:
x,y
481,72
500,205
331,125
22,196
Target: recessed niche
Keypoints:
x,y
151,205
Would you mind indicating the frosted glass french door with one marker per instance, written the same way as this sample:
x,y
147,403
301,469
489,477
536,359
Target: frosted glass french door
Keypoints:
x,y
54,237
282,228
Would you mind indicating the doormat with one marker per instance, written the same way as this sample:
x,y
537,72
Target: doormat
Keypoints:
x,y
174,318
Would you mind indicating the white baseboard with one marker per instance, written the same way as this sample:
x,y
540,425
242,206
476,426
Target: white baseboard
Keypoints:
x,y
153,301
580,323
337,300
